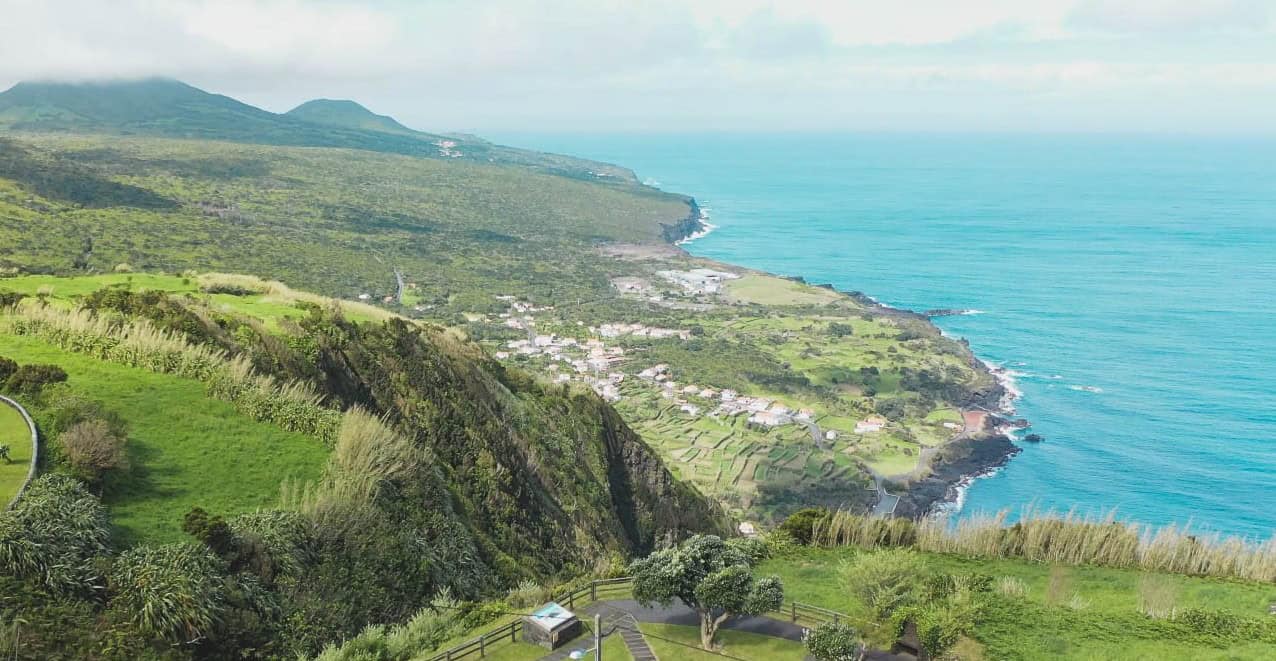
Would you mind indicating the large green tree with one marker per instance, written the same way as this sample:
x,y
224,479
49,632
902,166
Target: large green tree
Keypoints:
x,y
709,575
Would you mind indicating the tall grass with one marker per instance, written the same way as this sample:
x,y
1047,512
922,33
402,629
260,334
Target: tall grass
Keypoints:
x,y
367,455
293,406
1062,539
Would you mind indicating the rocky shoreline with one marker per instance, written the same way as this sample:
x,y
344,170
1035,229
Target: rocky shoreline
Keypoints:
x,y
957,463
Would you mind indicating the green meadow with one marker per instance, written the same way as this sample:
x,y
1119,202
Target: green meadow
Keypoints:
x,y
186,450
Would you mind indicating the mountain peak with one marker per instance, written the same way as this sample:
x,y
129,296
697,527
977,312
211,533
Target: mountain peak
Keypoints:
x,y
347,114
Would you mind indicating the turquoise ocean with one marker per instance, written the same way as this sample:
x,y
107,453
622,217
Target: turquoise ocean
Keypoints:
x,y
1128,283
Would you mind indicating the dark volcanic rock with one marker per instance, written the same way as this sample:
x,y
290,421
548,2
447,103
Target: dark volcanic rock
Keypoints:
x,y
953,466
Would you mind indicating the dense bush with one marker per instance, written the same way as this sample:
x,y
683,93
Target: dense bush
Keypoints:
x,y
7,368
753,548
802,523
31,379
173,592
885,580
54,536
834,642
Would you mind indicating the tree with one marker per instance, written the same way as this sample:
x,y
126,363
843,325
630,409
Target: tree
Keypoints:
x,y
834,642
710,576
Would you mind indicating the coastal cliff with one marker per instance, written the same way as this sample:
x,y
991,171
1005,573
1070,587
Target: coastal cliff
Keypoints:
x,y
685,227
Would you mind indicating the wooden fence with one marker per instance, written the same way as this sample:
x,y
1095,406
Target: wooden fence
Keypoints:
x,y
509,633
797,611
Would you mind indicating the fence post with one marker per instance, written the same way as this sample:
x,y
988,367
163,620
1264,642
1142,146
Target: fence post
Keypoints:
x,y
514,631
482,646
593,590
795,610
835,618
571,600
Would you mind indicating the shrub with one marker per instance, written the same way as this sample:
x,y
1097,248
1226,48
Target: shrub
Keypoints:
x,y
526,594
801,524
884,580
833,642
31,379
7,368
754,549
942,620
173,592
92,451
780,543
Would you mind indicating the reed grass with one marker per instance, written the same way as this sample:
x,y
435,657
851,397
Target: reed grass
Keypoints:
x,y
368,455
1068,539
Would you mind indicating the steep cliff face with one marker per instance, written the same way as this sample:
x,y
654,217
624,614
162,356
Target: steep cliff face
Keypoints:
x,y
548,477
692,223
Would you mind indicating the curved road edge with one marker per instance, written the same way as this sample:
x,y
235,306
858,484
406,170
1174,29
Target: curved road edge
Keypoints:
x,y
35,451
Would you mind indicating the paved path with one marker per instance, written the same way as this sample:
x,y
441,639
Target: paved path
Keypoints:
x,y
625,614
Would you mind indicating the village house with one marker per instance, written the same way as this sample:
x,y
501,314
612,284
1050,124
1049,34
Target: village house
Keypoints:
x,y
870,424
768,419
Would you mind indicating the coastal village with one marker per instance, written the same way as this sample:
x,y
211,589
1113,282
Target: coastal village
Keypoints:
x,y
728,440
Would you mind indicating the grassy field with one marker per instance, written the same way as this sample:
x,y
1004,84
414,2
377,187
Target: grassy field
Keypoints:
x,y
186,449
1065,613
770,290
678,642
15,434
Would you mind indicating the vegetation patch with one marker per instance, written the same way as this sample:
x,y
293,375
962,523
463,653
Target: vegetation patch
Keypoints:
x,y
186,450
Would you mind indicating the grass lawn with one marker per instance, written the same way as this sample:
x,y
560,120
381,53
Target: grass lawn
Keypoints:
x,y
186,449
681,642
1105,624
15,434
770,290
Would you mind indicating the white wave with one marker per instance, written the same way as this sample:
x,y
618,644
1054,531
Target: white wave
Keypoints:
x,y
1094,389
954,505
1007,380
708,228
651,182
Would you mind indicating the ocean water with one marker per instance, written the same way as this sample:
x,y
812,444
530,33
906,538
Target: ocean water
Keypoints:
x,y
1129,282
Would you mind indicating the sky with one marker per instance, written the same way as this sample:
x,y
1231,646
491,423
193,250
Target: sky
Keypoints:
x,y
1165,66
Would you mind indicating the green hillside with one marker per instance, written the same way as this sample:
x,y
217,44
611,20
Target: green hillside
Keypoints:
x,y
172,109
348,114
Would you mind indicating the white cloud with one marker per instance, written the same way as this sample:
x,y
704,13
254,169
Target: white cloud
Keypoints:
x,y
1172,16
671,63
